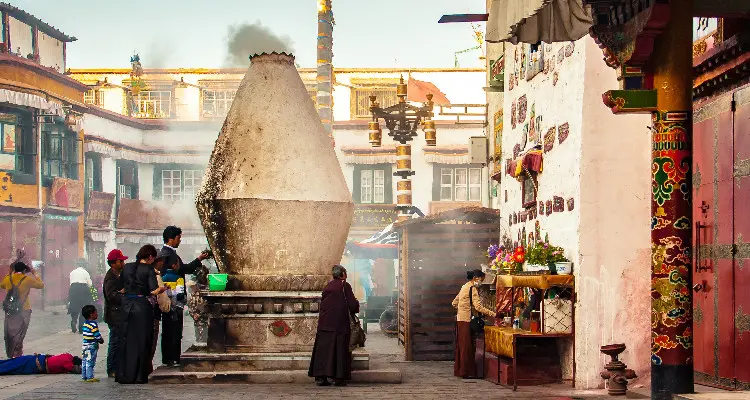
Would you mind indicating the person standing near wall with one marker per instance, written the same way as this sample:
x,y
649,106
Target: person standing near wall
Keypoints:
x,y
112,303
17,306
79,294
172,237
466,302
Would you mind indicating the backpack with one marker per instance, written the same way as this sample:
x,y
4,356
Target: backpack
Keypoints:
x,y
13,304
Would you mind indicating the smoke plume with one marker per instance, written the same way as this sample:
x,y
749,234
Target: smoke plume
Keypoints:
x,y
157,55
244,40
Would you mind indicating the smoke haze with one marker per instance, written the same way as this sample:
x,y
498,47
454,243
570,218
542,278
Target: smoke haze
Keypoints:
x,y
157,55
244,40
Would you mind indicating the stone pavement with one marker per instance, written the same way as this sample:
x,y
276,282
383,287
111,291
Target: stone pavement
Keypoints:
x,y
49,333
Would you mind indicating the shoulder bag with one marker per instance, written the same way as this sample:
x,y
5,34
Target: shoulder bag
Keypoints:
x,y
476,325
162,299
357,337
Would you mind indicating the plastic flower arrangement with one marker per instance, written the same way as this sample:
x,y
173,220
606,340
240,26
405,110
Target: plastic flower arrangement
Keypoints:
x,y
505,259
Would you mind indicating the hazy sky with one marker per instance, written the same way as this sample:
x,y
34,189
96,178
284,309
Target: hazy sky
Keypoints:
x,y
192,33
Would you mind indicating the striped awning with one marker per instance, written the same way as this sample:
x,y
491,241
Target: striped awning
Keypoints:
x,y
534,21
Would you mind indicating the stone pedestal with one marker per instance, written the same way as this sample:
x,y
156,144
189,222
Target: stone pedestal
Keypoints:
x,y
259,331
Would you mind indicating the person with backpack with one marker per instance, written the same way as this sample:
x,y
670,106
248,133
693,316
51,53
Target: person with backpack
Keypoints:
x,y
16,305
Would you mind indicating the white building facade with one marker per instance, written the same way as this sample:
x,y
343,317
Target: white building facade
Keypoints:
x,y
158,153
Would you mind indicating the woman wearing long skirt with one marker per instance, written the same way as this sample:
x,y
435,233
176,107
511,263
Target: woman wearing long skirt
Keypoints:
x,y
331,357
139,281
464,365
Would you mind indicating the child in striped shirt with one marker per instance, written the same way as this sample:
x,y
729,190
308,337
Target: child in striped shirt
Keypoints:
x,y
91,340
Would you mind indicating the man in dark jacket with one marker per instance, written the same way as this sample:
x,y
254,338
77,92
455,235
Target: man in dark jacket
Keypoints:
x,y
172,321
112,303
172,237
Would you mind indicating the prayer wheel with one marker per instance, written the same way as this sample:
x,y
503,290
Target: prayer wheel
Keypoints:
x,y
403,193
430,134
376,135
403,158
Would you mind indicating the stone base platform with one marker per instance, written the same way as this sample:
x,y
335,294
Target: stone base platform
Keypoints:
x,y
164,375
197,360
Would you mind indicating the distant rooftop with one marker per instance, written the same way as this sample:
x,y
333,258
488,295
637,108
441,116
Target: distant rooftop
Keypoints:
x,y
31,20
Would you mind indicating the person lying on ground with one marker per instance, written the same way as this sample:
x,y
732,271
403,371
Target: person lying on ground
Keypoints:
x,y
64,363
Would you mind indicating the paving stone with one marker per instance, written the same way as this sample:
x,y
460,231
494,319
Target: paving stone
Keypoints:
x,y
420,380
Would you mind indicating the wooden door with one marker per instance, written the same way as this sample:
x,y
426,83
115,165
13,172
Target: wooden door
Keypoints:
x,y
741,249
713,269
61,250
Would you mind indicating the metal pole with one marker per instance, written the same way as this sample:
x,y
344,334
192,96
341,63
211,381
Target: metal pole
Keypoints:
x,y
42,246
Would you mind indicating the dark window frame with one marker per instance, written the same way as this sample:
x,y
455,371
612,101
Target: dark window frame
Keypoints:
x,y
387,182
60,151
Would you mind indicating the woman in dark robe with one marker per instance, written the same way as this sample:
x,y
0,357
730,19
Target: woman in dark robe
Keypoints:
x,y
331,357
139,282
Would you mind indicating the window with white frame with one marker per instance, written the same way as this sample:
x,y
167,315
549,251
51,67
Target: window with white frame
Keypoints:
x,y
171,185
178,184
94,96
154,104
216,103
191,183
372,186
460,184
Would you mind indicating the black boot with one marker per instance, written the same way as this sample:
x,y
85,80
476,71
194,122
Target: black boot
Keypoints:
x,y
322,382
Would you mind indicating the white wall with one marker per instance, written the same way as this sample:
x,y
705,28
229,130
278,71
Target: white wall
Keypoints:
x,y
115,131
557,103
614,277
145,181
50,52
109,175
606,172
20,37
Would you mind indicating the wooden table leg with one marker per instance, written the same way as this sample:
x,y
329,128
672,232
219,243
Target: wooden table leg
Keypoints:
x,y
515,369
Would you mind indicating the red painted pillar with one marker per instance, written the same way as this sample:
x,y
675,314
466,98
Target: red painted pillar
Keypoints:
x,y
671,216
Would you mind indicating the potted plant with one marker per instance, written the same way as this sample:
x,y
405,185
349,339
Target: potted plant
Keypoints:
x,y
563,266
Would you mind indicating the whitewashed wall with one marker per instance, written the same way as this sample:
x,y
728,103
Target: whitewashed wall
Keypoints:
x,y
614,277
50,52
109,175
605,170
145,181
557,96
21,36
111,130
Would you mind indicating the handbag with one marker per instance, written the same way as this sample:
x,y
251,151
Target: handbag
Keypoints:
x,y
162,299
476,325
358,336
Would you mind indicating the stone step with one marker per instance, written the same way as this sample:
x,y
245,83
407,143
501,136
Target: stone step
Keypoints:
x,y
199,360
165,375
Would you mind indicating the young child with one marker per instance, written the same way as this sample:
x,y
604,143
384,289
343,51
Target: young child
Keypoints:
x,y
92,338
